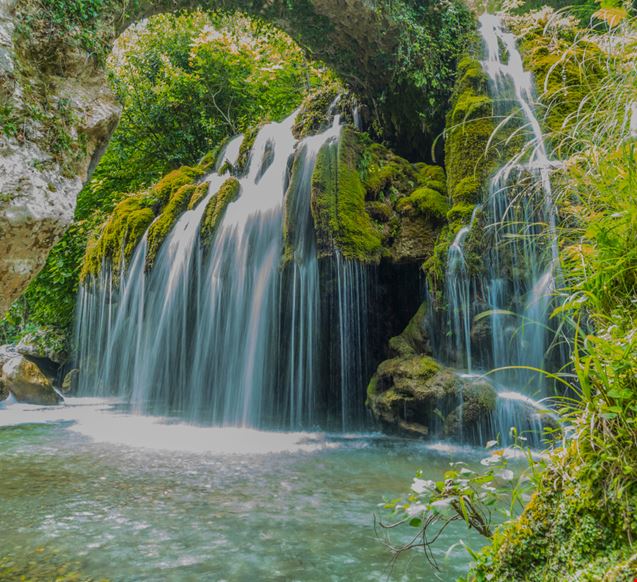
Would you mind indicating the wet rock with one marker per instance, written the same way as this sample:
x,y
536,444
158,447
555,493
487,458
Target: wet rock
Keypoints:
x,y
4,391
414,339
478,401
415,396
27,383
69,384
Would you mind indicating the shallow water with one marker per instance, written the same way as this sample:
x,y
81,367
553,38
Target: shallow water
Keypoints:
x,y
127,498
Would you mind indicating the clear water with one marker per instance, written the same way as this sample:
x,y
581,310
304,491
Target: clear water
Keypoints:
x,y
127,498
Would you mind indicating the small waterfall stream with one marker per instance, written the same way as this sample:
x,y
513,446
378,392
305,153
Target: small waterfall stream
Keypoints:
x,y
511,296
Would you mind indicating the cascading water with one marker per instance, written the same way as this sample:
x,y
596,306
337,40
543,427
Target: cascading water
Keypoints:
x,y
511,295
230,334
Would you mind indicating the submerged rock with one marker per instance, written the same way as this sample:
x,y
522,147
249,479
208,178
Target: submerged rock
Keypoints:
x,y
27,383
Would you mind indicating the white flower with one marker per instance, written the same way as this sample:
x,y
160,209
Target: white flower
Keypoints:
x,y
415,509
507,475
421,486
442,503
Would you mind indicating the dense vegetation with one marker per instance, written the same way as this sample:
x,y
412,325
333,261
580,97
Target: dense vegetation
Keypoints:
x,y
186,83
580,522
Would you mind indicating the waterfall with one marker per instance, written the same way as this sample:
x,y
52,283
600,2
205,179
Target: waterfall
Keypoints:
x,y
232,334
511,295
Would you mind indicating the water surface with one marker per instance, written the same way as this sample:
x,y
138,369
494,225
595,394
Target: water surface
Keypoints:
x,y
121,497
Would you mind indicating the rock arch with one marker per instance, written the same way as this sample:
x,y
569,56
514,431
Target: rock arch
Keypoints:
x,y
395,54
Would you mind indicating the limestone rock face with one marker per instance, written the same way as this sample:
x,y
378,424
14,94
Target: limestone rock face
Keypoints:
x,y
27,383
37,195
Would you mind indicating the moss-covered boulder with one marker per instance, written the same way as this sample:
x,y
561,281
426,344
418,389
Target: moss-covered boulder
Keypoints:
x,y
370,204
416,396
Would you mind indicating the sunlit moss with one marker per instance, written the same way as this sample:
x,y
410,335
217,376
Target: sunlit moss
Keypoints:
x,y
158,231
119,236
216,207
130,219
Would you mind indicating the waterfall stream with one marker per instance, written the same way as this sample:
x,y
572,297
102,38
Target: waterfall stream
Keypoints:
x,y
231,335
257,331
498,316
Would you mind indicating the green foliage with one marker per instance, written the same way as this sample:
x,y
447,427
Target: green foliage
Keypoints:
x,y
188,82
481,499
49,30
581,522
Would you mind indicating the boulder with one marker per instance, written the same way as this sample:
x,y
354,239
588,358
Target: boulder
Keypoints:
x,y
414,339
41,345
70,382
7,352
415,396
27,383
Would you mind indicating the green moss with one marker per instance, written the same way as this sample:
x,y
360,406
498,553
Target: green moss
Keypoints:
x,y
249,138
198,195
428,173
338,202
370,203
216,208
313,117
119,236
160,228
460,212
425,201
163,191
131,218
564,533
469,159
470,125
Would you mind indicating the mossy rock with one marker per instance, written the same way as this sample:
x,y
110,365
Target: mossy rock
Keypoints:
x,y
469,158
163,224
216,208
249,137
426,201
478,403
119,236
338,202
370,204
313,116
130,219
413,339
